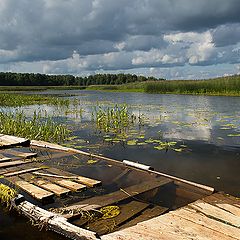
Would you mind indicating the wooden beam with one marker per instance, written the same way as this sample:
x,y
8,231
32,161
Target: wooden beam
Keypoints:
x,y
115,197
54,222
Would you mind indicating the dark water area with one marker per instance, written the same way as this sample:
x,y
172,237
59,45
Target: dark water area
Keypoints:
x,y
204,130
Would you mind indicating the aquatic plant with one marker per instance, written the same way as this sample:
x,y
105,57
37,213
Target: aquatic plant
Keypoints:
x,y
6,194
39,126
115,119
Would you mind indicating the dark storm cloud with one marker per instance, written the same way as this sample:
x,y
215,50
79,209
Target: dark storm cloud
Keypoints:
x,y
109,34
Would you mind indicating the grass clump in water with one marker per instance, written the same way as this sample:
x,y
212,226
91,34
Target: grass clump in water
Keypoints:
x,y
113,120
39,127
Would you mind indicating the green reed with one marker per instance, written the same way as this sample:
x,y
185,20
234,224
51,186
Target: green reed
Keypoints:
x,y
40,126
115,119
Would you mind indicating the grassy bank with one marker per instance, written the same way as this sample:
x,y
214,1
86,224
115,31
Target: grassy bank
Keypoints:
x,y
38,88
225,86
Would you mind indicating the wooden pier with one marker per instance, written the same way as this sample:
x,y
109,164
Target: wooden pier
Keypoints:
x,y
111,199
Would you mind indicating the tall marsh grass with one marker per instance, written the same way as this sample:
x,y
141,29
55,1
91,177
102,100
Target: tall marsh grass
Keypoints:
x,y
218,86
39,126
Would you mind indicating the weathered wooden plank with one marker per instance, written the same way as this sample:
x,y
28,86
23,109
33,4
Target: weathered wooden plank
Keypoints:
x,y
216,213
196,217
128,211
54,222
167,227
147,214
115,197
56,189
4,158
12,163
230,208
81,179
37,192
74,186
7,141
21,154
19,172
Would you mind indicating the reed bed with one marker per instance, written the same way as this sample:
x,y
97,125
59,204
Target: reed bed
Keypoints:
x,y
39,126
18,100
219,86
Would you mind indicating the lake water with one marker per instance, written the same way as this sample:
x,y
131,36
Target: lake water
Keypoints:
x,y
202,133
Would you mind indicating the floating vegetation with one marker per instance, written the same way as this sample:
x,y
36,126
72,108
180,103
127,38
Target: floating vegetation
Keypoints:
x,y
109,212
6,195
39,126
18,100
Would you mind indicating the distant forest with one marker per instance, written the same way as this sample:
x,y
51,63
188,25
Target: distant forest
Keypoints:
x,y
32,79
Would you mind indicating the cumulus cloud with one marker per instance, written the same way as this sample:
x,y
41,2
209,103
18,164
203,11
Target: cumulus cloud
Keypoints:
x,y
76,36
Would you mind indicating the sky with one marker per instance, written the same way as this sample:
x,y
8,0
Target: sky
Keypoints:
x,y
173,39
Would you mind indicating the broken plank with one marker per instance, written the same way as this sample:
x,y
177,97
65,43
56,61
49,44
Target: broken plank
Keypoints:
x,y
196,217
216,213
37,192
74,186
9,141
81,179
56,189
115,197
10,174
12,163
128,211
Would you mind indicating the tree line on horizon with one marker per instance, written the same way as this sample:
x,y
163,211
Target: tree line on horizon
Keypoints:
x,y
37,79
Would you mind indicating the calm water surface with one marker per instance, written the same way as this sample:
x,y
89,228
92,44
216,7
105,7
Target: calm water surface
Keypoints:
x,y
206,130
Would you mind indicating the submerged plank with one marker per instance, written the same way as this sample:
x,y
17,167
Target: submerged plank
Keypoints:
x,y
74,186
12,163
7,141
127,211
19,172
21,154
115,197
37,192
146,215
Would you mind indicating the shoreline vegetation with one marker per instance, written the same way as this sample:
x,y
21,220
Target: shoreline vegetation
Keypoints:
x,y
222,86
